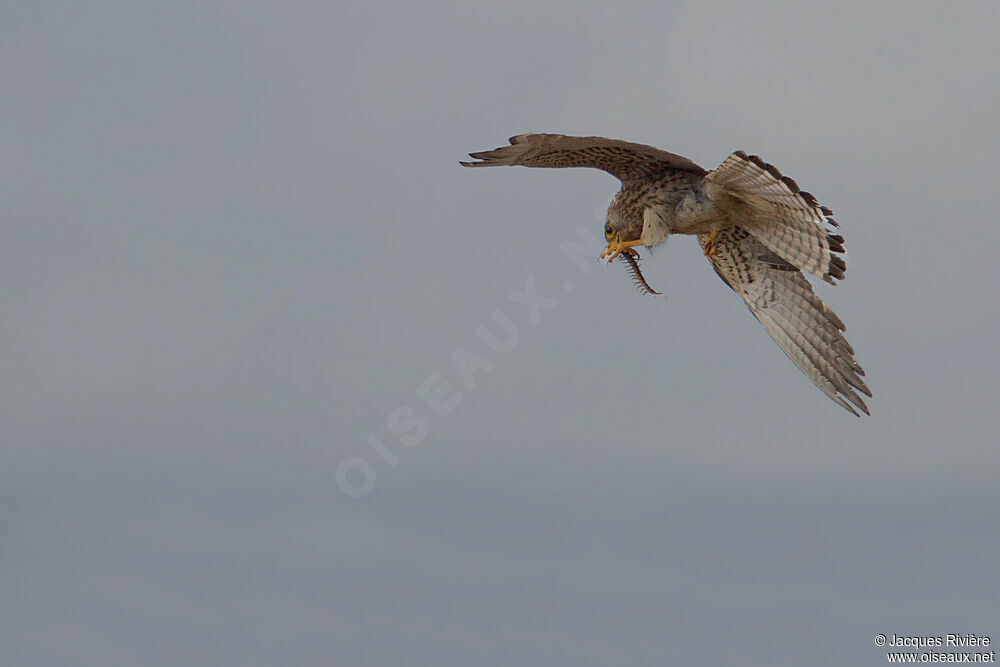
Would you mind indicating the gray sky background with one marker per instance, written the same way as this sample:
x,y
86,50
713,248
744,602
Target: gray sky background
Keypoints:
x,y
235,237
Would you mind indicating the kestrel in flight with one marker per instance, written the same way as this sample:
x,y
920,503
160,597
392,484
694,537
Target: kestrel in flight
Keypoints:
x,y
756,227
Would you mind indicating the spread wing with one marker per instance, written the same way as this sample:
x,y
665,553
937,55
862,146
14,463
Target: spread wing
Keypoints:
x,y
622,159
789,221
783,301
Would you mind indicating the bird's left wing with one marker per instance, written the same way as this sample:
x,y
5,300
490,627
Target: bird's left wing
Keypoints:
x,y
783,301
622,159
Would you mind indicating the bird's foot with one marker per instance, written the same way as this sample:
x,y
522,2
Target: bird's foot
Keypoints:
x,y
710,248
616,248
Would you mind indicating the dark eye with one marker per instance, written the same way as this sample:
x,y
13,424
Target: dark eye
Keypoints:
x,y
608,231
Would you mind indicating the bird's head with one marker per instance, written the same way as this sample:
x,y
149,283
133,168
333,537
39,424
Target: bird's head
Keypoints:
x,y
623,226
624,221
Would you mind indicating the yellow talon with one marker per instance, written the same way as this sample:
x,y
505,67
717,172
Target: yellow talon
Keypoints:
x,y
710,249
617,247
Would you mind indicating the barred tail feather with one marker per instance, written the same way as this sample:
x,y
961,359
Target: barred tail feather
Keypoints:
x,y
786,219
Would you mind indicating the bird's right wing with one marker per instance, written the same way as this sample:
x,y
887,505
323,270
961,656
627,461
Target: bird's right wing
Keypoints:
x,y
783,301
623,159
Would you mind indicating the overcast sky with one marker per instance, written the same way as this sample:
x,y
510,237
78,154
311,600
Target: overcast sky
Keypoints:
x,y
239,255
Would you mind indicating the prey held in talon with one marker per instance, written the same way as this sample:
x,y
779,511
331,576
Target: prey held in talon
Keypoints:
x,y
615,245
759,230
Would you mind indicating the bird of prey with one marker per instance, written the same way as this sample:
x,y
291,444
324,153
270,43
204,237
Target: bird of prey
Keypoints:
x,y
757,228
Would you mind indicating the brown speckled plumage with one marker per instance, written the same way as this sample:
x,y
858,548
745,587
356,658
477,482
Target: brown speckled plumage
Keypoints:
x,y
767,232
